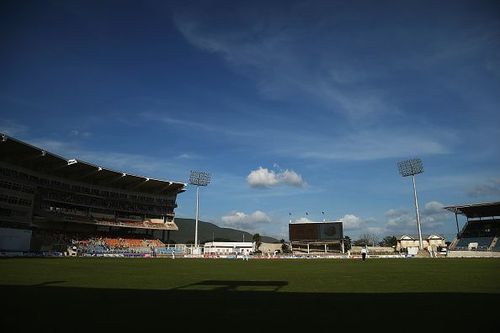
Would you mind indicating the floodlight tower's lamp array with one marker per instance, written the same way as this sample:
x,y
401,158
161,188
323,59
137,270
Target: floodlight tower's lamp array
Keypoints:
x,y
198,178
411,168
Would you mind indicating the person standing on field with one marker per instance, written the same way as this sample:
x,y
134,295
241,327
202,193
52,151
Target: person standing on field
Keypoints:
x,y
363,253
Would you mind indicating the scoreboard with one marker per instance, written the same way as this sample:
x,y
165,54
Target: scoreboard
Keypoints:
x,y
314,231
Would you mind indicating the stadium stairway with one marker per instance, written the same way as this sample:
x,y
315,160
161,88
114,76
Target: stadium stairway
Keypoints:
x,y
454,243
493,243
423,254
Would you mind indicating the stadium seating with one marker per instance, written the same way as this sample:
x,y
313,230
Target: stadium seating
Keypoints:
x,y
69,203
483,232
483,243
481,228
110,245
169,251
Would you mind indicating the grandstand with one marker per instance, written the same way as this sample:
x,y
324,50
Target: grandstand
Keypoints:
x,y
482,229
61,200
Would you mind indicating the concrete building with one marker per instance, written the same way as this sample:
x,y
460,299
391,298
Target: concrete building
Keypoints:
x,y
406,242
228,248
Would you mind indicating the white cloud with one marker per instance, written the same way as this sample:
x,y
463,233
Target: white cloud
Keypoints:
x,y
242,220
352,222
265,178
303,220
181,122
220,129
432,216
188,156
489,188
433,208
267,52
271,52
64,148
392,213
360,144
262,177
12,128
76,133
375,230
130,163
290,177
399,219
376,144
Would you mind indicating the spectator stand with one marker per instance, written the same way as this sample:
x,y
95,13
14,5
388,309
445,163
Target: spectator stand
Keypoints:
x,y
481,230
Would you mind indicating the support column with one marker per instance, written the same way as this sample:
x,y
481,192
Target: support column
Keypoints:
x,y
420,242
456,220
197,213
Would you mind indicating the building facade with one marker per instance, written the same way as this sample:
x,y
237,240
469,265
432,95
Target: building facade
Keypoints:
x,y
228,248
406,242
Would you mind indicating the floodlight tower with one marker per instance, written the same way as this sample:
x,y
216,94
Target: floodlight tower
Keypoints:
x,y
198,178
411,168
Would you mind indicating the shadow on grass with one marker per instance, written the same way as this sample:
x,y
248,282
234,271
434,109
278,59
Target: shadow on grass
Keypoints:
x,y
46,308
235,285
47,283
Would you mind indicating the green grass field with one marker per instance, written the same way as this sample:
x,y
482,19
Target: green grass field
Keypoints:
x,y
131,294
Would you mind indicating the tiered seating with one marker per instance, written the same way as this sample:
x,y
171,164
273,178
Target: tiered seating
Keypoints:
x,y
482,228
118,245
133,224
482,242
482,232
96,249
169,251
92,245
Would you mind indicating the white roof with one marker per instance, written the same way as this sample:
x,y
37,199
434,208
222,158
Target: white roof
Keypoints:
x,y
229,244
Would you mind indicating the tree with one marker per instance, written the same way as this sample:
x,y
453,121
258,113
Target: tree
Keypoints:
x,y
366,239
347,243
257,239
388,241
285,248
359,242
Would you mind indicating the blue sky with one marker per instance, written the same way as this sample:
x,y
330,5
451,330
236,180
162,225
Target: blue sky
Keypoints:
x,y
293,106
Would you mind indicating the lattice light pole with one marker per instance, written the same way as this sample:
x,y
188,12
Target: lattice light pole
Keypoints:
x,y
411,168
198,178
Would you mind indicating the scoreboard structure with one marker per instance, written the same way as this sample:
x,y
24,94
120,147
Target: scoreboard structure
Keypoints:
x,y
316,231
321,237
